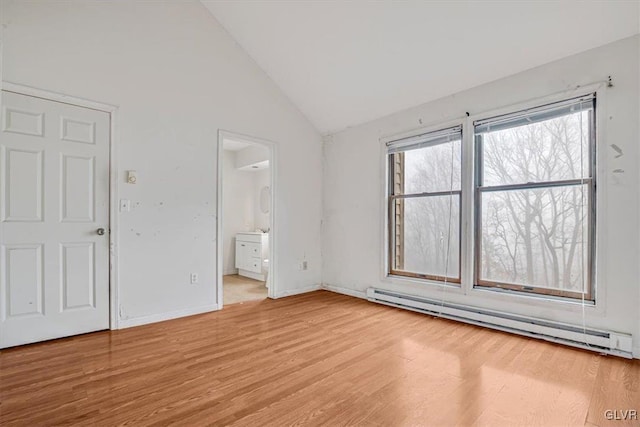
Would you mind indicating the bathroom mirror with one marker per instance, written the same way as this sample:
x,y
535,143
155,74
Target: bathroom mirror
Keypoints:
x,y
265,200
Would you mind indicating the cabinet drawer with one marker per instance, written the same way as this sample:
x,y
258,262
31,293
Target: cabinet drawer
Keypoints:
x,y
255,265
248,254
254,249
249,249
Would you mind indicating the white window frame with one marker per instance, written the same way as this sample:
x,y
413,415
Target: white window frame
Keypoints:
x,y
395,147
590,181
456,287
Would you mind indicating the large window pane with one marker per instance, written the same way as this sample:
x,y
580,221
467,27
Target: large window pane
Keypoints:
x,y
536,237
432,169
424,205
549,150
535,185
429,225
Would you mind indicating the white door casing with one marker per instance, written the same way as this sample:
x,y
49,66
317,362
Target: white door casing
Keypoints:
x,y
54,196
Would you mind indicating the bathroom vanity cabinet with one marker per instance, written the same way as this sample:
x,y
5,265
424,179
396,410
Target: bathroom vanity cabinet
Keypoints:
x,y
252,250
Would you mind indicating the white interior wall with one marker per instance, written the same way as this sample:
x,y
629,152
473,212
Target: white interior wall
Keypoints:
x,y
178,78
238,194
354,180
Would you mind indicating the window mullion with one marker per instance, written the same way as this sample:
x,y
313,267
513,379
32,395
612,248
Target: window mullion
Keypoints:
x,y
467,200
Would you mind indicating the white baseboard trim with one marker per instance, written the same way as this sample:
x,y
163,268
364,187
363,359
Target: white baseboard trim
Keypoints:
x,y
636,352
297,291
345,291
160,317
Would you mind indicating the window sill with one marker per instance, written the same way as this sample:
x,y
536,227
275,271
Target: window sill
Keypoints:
x,y
439,284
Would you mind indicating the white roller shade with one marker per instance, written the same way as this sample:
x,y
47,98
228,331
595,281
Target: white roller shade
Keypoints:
x,y
534,115
425,140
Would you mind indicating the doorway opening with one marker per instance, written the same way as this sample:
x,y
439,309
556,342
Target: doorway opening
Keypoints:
x,y
245,209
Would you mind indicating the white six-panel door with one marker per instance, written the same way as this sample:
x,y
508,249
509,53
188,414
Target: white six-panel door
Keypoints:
x,y
54,198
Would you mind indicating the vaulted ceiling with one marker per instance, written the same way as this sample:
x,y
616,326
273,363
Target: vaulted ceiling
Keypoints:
x,y
347,62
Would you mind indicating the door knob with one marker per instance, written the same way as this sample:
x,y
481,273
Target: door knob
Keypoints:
x,y
100,231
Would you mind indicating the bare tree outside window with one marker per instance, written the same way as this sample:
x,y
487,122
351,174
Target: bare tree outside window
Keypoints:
x,y
535,194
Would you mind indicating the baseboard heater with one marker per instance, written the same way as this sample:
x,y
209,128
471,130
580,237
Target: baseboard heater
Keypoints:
x,y
607,342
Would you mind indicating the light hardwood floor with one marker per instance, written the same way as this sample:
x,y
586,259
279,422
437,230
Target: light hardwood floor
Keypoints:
x,y
313,359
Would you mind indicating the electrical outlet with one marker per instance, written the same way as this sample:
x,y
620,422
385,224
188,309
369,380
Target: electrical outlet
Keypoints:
x,y
304,265
194,278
